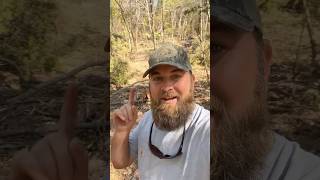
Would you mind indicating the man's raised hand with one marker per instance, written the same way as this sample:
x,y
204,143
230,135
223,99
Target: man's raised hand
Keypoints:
x,y
125,117
57,156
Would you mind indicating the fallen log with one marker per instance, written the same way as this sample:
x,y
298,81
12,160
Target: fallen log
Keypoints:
x,y
64,77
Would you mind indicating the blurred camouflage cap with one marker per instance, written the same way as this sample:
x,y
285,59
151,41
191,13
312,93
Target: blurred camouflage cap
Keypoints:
x,y
169,54
242,14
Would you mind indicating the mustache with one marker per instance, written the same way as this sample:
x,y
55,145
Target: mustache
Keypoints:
x,y
168,94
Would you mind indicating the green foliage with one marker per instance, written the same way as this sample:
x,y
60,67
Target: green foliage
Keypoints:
x,y
27,28
5,14
118,71
201,53
312,98
118,67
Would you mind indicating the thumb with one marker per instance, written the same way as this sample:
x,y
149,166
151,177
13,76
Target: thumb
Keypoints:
x,y
80,160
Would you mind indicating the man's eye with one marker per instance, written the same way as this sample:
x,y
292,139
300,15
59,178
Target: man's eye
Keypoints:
x,y
176,77
217,53
217,48
156,78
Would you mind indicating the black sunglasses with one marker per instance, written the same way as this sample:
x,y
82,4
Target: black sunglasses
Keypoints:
x,y
155,151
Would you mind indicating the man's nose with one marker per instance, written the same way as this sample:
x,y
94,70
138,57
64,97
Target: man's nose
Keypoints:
x,y
167,85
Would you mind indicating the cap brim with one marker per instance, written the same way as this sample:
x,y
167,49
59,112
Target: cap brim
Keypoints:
x,y
171,64
232,19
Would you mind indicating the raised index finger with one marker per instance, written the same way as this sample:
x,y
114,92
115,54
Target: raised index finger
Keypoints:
x,y
132,96
68,116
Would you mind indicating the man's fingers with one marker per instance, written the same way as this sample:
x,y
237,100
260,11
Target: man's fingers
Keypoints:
x,y
59,145
118,114
25,167
80,160
131,112
132,96
127,111
68,115
42,152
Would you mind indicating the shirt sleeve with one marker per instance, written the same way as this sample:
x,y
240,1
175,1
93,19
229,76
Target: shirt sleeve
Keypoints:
x,y
133,142
201,149
206,150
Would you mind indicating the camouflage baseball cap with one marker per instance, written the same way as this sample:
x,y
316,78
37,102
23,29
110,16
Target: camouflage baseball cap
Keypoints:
x,y
169,54
242,14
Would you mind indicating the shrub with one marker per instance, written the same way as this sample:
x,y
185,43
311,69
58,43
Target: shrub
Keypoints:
x,y
26,33
119,72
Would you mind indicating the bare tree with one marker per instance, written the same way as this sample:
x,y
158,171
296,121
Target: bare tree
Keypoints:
x,y
151,21
311,34
162,20
126,24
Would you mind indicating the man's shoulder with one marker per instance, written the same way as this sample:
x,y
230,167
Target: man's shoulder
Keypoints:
x,y
294,149
200,120
146,118
288,161
201,116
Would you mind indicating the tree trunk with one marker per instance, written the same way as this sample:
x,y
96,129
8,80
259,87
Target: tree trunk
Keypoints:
x,y
173,25
311,34
151,21
162,21
137,23
130,39
180,24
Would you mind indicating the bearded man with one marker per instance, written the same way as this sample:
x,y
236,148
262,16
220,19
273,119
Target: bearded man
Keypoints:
x,y
243,147
172,140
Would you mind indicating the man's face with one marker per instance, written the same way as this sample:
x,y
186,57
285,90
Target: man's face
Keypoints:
x,y
235,67
171,91
239,135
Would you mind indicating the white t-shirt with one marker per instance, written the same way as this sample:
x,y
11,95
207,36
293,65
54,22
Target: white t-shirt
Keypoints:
x,y
287,161
194,163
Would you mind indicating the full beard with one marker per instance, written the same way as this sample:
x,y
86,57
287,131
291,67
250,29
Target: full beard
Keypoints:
x,y
240,141
168,117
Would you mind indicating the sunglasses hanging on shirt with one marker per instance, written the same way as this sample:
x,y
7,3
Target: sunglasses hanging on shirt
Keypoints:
x,y
155,151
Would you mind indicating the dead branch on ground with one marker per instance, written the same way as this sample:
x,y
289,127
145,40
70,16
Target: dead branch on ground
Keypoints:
x,y
64,77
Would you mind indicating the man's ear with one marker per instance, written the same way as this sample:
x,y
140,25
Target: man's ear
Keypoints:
x,y
267,53
149,90
193,79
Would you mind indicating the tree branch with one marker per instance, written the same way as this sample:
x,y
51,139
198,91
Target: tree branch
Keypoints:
x,y
64,77
14,65
311,34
